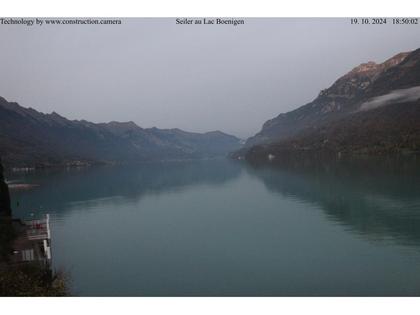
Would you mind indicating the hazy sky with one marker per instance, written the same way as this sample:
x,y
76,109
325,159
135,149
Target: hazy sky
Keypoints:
x,y
194,77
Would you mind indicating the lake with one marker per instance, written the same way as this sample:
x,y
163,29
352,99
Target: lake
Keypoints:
x,y
228,228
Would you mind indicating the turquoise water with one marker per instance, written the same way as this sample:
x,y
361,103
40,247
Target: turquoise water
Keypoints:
x,y
224,228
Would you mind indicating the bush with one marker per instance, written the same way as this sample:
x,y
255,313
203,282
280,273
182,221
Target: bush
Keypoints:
x,y
32,280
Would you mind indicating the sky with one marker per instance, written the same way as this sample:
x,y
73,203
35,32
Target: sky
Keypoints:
x,y
199,78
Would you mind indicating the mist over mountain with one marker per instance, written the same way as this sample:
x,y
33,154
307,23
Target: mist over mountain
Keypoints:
x,y
29,138
375,108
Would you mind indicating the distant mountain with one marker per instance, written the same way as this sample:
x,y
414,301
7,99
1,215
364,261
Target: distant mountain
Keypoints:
x,y
374,108
30,138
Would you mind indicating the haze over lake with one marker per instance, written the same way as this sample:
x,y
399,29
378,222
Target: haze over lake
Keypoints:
x,y
220,227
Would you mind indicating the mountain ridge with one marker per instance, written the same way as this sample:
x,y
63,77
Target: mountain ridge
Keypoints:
x,y
345,106
331,103
32,138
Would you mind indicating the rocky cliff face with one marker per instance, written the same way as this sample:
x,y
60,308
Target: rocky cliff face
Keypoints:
x,y
375,108
339,100
31,138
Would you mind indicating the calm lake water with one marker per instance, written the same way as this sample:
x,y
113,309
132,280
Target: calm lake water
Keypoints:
x,y
226,228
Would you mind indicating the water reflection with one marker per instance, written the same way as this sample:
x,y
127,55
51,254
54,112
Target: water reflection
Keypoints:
x,y
377,198
58,190
300,227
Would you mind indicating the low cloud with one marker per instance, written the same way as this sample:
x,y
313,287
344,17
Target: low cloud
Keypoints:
x,y
396,96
